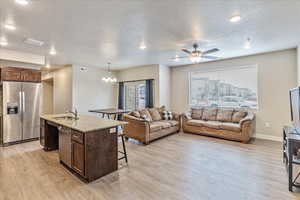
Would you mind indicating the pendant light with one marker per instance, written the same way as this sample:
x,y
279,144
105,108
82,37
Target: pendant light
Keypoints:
x,y
110,78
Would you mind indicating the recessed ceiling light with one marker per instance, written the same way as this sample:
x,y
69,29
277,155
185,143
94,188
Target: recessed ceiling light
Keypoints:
x,y
9,27
143,46
52,52
247,44
3,42
22,2
235,18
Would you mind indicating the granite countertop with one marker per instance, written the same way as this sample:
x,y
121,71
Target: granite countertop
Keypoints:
x,y
84,123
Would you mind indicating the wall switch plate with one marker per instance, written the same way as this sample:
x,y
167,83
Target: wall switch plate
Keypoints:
x,y
267,124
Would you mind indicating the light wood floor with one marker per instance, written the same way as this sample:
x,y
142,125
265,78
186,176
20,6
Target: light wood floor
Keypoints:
x,y
181,166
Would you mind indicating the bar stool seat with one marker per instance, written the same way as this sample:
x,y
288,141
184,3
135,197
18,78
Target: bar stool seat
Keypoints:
x,y
124,152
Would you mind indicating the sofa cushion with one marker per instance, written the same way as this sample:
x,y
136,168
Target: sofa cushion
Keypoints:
x,y
211,124
209,114
172,122
225,115
155,115
155,126
145,112
231,126
197,113
238,115
163,124
195,122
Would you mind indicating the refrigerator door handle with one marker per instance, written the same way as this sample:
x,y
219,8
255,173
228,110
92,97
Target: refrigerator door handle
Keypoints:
x,y
20,101
23,106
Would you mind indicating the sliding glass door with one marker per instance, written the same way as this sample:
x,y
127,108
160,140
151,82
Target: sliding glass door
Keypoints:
x,y
135,95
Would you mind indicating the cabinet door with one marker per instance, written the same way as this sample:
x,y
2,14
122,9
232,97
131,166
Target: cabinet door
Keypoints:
x,y
65,146
31,76
11,74
78,157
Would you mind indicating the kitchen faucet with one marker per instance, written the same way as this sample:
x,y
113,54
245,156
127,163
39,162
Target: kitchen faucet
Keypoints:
x,y
75,113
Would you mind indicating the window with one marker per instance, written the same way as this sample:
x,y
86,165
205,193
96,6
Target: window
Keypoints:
x,y
135,95
233,87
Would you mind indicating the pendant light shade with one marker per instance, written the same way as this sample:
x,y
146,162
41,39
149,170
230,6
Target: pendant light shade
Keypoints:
x,y
110,78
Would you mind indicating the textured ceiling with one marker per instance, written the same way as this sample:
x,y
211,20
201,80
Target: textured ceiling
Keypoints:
x,y
93,32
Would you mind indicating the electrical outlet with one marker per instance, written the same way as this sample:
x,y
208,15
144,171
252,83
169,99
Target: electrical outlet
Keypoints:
x,y
267,124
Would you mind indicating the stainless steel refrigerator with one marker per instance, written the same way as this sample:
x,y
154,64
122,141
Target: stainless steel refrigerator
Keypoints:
x,y
21,111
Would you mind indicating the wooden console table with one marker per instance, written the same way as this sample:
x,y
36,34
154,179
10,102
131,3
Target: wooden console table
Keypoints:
x,y
291,143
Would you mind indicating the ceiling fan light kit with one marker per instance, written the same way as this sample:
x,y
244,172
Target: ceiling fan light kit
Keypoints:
x,y
196,55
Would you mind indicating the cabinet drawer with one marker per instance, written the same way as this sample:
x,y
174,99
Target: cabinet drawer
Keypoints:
x,y
77,136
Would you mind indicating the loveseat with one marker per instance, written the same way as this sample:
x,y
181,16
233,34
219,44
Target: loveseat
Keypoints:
x,y
232,124
152,127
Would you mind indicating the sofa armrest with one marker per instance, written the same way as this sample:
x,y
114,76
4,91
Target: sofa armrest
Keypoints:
x,y
186,116
249,117
176,116
248,125
137,128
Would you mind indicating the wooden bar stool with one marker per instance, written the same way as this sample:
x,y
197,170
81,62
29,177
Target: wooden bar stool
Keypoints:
x,y
124,152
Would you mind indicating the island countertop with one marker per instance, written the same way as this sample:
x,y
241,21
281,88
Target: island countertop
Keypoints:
x,y
84,124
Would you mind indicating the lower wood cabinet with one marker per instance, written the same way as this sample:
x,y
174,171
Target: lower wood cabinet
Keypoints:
x,y
90,154
78,158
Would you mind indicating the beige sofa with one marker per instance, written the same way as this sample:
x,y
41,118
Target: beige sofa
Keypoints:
x,y
238,125
147,131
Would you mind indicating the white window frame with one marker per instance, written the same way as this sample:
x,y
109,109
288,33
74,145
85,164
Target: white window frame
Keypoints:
x,y
216,69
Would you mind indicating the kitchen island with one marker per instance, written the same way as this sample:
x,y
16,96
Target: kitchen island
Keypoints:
x,y
87,146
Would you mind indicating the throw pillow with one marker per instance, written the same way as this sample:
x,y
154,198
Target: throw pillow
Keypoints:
x,y
146,112
238,115
136,114
167,115
154,114
146,118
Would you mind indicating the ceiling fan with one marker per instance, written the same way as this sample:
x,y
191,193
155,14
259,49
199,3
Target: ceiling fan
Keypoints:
x,y
196,55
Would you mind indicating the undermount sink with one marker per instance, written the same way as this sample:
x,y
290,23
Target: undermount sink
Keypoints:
x,y
64,118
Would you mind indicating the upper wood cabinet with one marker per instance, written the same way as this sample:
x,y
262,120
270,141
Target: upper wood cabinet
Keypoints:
x,y
31,76
20,74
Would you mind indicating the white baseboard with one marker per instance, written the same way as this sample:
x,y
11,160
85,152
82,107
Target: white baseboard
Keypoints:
x,y
268,137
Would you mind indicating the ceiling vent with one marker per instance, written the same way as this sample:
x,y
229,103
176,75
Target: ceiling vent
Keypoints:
x,y
33,42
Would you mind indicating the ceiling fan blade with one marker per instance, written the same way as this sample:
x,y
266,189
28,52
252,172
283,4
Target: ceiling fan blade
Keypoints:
x,y
210,57
210,51
174,58
186,51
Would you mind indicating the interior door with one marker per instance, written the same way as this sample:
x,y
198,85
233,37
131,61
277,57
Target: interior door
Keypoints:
x,y
31,97
12,112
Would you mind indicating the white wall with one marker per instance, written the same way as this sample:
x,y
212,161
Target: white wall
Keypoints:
x,y
298,65
62,88
277,73
47,96
164,86
142,73
90,92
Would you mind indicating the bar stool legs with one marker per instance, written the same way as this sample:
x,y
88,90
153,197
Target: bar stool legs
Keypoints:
x,y
124,149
